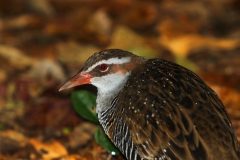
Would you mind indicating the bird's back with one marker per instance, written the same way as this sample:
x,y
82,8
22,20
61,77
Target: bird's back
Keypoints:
x,y
167,112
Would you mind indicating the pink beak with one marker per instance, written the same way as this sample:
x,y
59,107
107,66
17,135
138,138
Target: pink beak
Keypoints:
x,y
77,80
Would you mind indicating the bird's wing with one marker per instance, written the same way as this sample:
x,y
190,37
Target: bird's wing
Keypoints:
x,y
171,113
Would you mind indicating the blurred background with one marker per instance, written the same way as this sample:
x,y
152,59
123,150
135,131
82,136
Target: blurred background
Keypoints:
x,y
44,42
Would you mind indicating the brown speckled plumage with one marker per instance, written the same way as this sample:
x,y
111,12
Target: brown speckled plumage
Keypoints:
x,y
175,114
166,112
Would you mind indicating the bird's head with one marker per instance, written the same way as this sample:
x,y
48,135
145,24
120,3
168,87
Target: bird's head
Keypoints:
x,y
108,70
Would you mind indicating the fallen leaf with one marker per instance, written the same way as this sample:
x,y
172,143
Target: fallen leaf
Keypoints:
x,y
49,150
14,57
81,135
3,75
182,45
126,39
44,68
76,157
42,6
74,54
11,140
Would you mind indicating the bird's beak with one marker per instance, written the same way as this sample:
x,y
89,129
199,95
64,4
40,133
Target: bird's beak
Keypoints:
x,y
79,79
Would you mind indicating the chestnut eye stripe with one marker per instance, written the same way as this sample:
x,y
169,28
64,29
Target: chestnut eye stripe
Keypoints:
x,y
110,61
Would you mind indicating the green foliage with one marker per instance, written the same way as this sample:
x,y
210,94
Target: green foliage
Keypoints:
x,y
66,130
186,63
102,139
84,102
143,51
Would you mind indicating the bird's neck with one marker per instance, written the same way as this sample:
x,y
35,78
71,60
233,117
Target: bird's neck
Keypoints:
x,y
105,97
105,108
104,102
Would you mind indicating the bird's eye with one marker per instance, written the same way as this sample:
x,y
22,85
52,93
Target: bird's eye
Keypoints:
x,y
103,67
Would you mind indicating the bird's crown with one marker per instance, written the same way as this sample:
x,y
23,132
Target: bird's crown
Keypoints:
x,y
109,56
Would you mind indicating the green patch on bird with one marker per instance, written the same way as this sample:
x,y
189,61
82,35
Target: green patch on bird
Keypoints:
x,y
1,127
84,102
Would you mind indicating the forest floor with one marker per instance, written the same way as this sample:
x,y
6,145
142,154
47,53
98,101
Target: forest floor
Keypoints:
x,y
45,42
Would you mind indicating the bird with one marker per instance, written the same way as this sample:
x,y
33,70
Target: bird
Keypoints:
x,y
154,109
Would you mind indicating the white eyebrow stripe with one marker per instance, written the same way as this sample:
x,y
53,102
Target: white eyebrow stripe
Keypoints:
x,y
110,61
